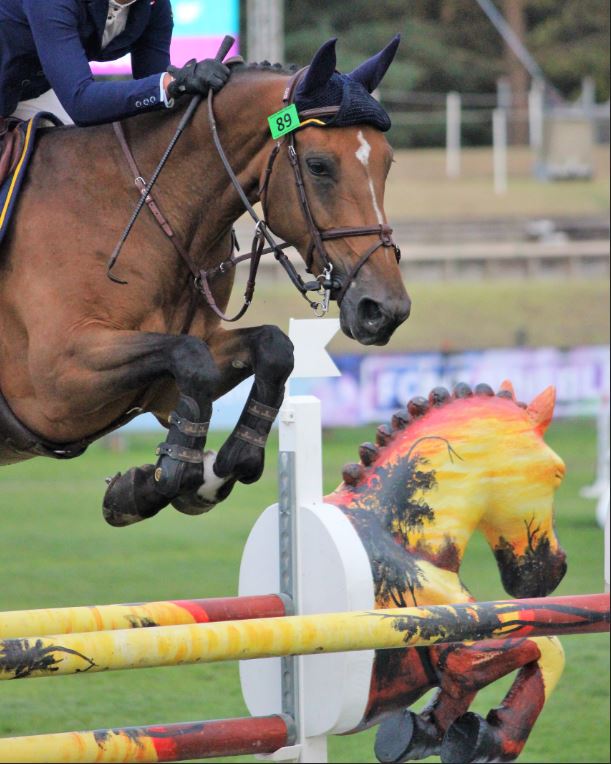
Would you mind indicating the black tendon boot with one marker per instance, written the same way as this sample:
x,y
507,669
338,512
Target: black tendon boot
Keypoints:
x,y
142,491
179,468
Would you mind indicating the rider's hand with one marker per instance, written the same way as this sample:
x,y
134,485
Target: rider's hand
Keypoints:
x,y
197,78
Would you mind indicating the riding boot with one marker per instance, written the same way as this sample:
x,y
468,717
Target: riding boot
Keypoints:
x,y
179,468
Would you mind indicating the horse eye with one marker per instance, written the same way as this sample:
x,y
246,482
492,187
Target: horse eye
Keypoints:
x,y
316,167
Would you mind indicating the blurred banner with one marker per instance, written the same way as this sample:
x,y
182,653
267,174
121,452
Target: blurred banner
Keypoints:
x,y
199,28
371,388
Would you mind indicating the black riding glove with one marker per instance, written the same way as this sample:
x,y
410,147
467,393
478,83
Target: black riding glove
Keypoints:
x,y
197,77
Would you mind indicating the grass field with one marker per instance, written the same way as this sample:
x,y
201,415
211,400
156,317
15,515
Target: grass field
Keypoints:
x,y
56,550
449,315
418,188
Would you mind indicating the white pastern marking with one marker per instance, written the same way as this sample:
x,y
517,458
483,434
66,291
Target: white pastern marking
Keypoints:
x,y
363,153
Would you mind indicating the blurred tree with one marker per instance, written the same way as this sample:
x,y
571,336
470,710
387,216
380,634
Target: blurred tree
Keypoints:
x,y
518,77
451,45
570,39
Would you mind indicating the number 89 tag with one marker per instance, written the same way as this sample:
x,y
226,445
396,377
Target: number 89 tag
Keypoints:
x,y
284,121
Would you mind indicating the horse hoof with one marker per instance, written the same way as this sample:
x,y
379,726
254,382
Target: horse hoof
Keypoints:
x,y
404,736
132,497
469,739
210,492
192,504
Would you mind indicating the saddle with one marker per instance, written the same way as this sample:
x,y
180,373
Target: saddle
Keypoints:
x,y
11,146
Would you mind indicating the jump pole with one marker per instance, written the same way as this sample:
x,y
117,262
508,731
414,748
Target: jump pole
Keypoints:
x,y
168,742
29,623
302,635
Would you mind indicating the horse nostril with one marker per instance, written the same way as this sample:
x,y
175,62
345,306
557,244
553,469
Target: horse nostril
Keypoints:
x,y
370,313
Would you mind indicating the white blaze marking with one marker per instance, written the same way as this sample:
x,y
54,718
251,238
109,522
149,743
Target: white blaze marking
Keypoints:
x,y
363,155
364,151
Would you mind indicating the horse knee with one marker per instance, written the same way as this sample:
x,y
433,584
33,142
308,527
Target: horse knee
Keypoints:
x,y
193,367
275,354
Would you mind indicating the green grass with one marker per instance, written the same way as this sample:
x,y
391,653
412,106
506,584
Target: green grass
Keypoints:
x,y
55,550
418,188
449,315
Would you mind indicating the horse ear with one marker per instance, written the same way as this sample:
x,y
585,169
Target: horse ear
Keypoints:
x,y
371,72
507,387
321,69
541,409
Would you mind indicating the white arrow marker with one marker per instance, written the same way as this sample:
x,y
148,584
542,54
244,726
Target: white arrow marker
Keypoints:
x,y
310,337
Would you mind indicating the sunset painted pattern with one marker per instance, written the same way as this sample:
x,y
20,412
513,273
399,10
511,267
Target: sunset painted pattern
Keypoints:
x,y
478,462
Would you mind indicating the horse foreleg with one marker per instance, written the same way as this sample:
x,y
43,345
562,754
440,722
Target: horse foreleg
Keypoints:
x,y
460,671
503,734
266,352
115,366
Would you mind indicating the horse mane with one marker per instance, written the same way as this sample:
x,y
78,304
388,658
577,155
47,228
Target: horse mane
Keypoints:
x,y
417,408
264,66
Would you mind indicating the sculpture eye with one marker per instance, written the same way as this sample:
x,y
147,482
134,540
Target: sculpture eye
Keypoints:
x,y
317,167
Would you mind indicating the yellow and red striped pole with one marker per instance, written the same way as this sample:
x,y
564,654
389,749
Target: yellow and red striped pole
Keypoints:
x,y
301,635
169,742
68,620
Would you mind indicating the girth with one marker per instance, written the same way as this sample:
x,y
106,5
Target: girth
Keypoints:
x,y
18,443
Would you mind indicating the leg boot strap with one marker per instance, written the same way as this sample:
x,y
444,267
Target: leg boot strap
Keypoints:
x,y
180,453
262,411
250,436
192,429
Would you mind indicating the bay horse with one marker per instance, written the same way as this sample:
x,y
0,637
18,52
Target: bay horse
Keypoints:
x,y
81,354
450,465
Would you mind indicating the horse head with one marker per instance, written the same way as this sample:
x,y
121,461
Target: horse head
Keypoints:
x,y
519,520
333,214
451,464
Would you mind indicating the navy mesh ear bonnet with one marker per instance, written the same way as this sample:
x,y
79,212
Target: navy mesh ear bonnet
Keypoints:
x,y
322,86
357,107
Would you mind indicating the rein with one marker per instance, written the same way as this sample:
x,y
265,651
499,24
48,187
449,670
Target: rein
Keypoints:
x,y
324,285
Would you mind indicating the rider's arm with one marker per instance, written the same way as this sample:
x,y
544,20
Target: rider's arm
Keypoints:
x,y
151,53
54,25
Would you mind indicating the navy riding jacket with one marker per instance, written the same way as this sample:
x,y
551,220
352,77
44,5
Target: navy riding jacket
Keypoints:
x,y
49,43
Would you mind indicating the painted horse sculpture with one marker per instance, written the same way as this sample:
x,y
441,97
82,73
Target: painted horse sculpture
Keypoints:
x,y
450,465
80,354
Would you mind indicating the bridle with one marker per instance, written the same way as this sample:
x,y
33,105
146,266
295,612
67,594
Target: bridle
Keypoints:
x,y
318,236
326,285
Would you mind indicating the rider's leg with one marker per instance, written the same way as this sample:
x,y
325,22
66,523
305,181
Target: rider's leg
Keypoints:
x,y
48,101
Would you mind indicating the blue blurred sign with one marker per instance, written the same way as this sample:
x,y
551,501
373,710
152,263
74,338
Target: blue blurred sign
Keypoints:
x,y
206,18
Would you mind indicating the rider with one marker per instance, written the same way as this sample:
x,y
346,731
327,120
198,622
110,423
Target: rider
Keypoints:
x,y
46,47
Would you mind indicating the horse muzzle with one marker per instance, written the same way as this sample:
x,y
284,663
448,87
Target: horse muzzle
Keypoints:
x,y
371,321
536,575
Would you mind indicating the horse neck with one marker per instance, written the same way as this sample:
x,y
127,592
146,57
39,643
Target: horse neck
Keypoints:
x,y
428,486
198,198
